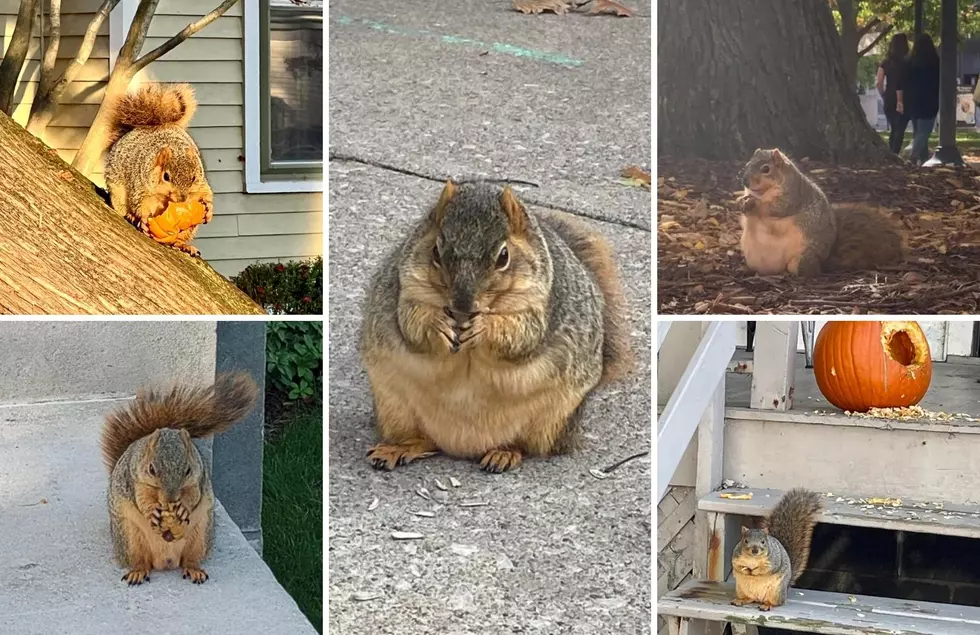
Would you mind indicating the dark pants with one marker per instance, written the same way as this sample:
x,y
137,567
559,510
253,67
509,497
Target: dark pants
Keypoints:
x,y
896,137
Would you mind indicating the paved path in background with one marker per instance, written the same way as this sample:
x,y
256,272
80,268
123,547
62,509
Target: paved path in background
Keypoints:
x,y
420,91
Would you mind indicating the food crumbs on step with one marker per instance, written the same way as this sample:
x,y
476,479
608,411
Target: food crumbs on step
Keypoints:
x,y
894,502
910,413
424,493
851,599
366,596
440,485
474,503
736,497
425,514
454,481
406,535
374,504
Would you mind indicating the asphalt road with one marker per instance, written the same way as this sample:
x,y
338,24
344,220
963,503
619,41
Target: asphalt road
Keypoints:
x,y
421,91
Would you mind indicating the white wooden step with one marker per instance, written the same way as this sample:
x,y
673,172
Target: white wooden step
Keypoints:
x,y
861,511
920,459
822,612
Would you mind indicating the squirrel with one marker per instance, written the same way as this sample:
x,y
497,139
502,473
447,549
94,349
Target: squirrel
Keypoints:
x,y
161,505
767,561
485,330
789,225
152,160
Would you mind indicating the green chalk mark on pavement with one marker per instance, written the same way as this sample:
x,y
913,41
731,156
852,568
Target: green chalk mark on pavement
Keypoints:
x,y
499,47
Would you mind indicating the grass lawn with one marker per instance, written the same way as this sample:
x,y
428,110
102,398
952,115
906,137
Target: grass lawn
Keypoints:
x,y
292,509
967,139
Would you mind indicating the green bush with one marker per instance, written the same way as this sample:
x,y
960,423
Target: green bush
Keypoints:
x,y
294,360
292,288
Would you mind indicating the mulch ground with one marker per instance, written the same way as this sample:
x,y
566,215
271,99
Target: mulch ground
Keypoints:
x,y
700,268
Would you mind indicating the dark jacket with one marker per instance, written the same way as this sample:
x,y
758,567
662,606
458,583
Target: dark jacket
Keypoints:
x,y
921,89
895,70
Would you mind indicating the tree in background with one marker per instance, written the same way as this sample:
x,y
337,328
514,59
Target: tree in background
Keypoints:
x,y
52,85
736,76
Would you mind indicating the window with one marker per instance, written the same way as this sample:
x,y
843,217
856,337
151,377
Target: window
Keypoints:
x,y
284,96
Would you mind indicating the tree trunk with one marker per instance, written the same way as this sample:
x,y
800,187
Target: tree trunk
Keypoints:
x,y
736,76
63,251
13,59
848,40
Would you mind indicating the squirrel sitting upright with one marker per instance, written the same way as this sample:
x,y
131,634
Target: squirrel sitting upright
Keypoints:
x,y
788,225
161,505
767,561
152,160
485,330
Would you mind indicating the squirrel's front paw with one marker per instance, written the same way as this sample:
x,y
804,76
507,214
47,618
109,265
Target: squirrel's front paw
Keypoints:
x,y
181,513
155,517
445,328
471,330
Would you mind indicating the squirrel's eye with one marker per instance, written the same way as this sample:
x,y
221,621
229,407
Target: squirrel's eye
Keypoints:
x,y
503,258
435,256
187,472
166,177
152,470
765,169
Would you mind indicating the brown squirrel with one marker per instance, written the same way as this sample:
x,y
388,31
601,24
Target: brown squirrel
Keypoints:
x,y
789,225
152,160
485,330
161,505
767,561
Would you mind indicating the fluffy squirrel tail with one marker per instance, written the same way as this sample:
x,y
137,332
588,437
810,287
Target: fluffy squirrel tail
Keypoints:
x,y
791,522
866,239
201,410
150,106
597,256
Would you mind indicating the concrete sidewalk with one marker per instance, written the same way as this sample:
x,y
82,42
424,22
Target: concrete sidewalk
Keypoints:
x,y
57,574
421,91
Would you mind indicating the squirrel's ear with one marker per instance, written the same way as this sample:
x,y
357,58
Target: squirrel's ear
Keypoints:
x,y
516,214
163,157
448,193
765,530
778,158
745,531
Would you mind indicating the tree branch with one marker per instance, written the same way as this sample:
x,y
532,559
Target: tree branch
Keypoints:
x,y
874,42
13,61
49,97
188,31
51,52
864,30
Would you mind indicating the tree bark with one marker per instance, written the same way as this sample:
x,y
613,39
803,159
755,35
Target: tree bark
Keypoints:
x,y
13,59
848,40
736,76
63,251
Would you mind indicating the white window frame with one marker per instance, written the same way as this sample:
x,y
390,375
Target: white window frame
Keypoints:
x,y
119,22
253,112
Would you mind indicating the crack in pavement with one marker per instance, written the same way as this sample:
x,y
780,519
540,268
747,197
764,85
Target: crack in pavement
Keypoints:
x,y
349,158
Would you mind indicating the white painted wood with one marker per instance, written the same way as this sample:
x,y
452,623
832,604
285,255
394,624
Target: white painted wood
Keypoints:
x,y
119,21
881,458
674,355
687,403
775,365
928,517
252,32
710,464
837,418
959,337
663,327
822,612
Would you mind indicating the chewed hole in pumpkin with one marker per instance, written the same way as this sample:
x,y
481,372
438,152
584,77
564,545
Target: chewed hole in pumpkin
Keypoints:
x,y
901,349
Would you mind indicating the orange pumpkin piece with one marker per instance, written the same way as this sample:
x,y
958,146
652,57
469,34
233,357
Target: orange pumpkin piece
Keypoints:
x,y
175,219
864,365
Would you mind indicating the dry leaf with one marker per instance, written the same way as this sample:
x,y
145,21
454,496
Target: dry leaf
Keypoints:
x,y
609,6
540,6
637,174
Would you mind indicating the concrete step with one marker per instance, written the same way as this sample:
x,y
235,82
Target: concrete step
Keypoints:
x,y
45,361
818,612
57,574
832,452
929,517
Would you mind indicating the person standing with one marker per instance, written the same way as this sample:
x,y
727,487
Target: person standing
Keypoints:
x,y
889,81
921,98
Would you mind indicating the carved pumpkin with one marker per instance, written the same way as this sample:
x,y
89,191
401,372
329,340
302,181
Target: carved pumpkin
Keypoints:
x,y
863,365
176,218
